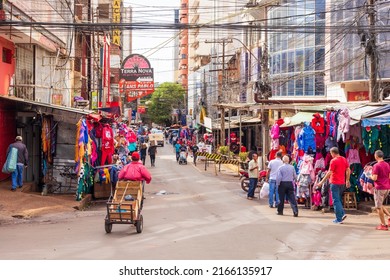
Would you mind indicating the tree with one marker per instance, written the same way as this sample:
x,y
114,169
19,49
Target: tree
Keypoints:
x,y
166,97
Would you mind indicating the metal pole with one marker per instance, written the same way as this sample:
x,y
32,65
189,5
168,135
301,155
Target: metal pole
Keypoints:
x,y
229,142
371,50
239,147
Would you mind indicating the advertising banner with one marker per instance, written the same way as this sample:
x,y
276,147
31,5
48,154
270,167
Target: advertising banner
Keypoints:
x,y
136,77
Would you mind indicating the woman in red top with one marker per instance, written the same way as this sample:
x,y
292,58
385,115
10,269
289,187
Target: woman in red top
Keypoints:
x,y
338,175
380,175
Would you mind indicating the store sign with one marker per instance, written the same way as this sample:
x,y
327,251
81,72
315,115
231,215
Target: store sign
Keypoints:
x,y
116,18
357,96
136,77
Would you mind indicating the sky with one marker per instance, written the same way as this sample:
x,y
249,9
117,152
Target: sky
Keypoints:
x,y
156,45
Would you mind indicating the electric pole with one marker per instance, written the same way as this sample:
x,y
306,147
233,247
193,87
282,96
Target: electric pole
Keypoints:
x,y
371,51
223,86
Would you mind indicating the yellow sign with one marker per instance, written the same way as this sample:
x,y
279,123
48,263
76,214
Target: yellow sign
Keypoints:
x,y
116,18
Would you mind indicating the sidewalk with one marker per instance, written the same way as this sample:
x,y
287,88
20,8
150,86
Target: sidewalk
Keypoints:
x,y
23,204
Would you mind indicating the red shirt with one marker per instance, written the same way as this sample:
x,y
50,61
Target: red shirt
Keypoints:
x,y
243,149
338,166
382,170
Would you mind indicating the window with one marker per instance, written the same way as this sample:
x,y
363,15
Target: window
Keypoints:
x,y
7,56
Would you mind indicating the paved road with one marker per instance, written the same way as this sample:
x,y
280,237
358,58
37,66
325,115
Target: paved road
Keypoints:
x,y
201,216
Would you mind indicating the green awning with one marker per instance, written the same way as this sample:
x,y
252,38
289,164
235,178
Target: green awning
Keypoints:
x,y
298,118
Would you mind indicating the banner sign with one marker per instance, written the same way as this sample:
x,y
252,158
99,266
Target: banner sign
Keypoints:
x,y
116,18
136,77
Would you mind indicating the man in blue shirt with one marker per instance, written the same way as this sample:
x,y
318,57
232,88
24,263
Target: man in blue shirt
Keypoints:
x,y
177,149
285,181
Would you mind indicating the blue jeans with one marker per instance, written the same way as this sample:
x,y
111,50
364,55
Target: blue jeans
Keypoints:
x,y
337,193
17,176
273,193
252,187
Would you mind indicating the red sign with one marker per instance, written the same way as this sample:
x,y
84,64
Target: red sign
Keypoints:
x,y
136,77
358,96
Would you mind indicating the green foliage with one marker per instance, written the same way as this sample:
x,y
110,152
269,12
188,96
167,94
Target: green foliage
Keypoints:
x,y
243,156
224,150
166,97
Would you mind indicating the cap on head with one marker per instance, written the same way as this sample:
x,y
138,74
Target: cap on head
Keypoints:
x,y
18,138
135,156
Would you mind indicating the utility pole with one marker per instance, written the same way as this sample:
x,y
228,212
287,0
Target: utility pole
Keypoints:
x,y
371,51
223,86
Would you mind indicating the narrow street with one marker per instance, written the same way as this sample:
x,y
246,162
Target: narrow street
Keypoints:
x,y
192,214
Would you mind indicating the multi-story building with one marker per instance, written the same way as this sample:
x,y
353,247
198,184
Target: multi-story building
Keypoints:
x,y
348,50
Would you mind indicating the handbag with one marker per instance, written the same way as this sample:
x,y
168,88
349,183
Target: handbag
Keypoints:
x,y
10,164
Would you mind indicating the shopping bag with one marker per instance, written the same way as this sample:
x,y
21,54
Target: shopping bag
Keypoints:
x,y
12,159
264,190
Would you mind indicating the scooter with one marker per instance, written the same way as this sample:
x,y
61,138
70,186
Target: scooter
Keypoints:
x,y
244,179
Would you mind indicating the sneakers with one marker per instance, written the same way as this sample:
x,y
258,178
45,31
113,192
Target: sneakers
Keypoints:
x,y
13,190
344,217
250,198
337,222
382,227
296,214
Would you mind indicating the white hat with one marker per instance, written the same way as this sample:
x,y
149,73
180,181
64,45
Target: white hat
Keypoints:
x,y
18,138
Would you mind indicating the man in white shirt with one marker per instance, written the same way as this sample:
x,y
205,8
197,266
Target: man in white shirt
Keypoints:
x,y
253,172
272,171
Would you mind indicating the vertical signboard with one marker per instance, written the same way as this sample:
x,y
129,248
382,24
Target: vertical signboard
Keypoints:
x,y
116,18
136,77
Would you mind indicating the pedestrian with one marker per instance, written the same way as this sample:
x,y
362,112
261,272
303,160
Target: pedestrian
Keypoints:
x,y
142,152
253,172
272,171
114,171
152,151
22,162
338,175
285,179
195,149
177,150
135,171
381,175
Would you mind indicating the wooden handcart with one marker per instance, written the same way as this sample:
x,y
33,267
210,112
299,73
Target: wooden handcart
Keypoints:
x,y
121,210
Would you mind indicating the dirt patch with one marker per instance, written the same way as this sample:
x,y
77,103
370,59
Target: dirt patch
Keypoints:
x,y
27,205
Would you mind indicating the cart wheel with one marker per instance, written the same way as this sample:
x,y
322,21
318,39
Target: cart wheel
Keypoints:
x,y
108,227
139,224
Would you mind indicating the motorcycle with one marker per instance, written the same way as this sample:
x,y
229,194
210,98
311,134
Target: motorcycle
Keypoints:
x,y
244,179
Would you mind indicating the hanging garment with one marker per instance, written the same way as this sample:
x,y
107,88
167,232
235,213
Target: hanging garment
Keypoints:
x,y
330,143
370,137
343,124
319,165
306,167
320,141
274,144
331,118
353,156
304,182
318,123
306,139
365,157
366,183
108,146
355,131
274,132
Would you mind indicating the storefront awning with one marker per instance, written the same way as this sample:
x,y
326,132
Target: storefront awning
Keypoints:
x,y
60,113
298,118
383,119
357,113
